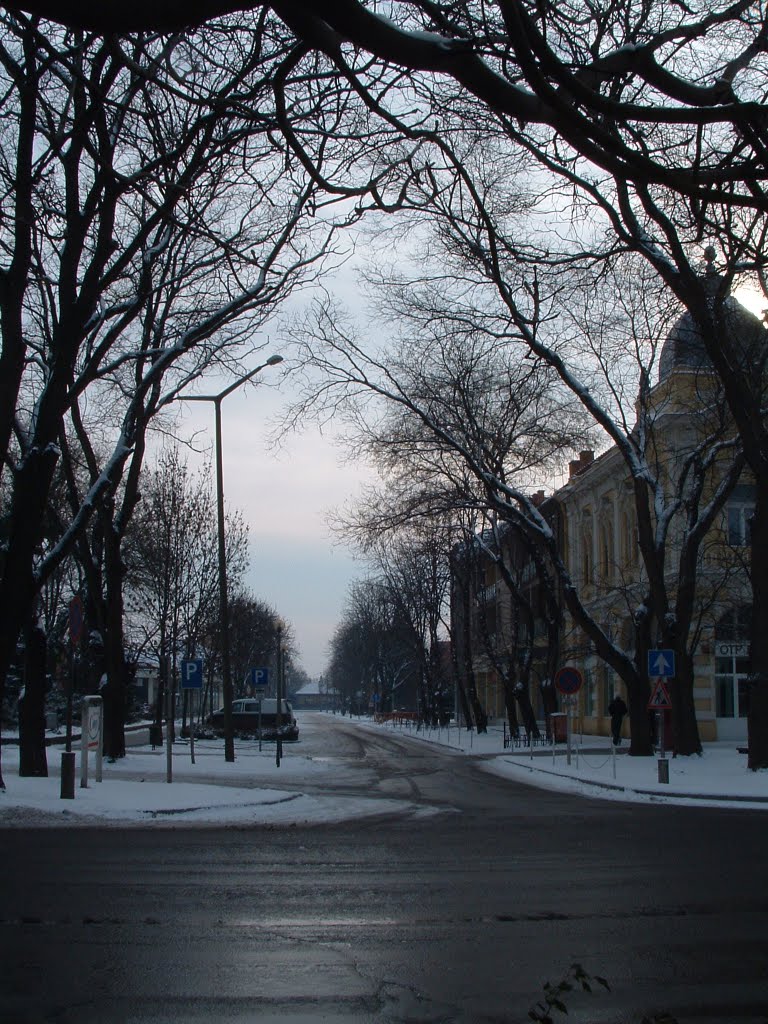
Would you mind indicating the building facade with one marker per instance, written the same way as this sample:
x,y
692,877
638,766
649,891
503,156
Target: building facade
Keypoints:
x,y
681,430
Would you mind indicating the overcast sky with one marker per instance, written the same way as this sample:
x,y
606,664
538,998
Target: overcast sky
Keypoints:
x,y
285,495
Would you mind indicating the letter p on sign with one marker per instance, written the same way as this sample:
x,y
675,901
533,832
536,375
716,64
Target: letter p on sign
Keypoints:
x,y
192,674
260,678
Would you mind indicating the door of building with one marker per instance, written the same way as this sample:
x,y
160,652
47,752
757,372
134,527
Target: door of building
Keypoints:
x,y
732,668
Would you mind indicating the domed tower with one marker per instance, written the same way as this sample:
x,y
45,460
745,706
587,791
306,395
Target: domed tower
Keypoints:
x,y
684,348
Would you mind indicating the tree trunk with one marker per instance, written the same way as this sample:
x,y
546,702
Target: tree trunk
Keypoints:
x,y
32,753
638,694
17,586
685,730
114,693
510,704
526,709
640,738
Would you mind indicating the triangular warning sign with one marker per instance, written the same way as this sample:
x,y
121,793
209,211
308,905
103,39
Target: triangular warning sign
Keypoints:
x,y
660,697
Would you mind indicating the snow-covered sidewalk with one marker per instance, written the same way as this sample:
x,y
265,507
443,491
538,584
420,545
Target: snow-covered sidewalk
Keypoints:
x,y
252,790
719,776
135,791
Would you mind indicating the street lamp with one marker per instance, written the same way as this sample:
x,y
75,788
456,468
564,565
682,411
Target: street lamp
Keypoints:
x,y
226,665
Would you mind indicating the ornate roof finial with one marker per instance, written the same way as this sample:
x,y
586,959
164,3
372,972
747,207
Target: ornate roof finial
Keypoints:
x,y
712,281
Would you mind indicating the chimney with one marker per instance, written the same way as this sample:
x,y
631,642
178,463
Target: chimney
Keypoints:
x,y
538,498
576,466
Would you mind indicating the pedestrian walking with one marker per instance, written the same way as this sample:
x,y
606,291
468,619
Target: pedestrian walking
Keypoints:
x,y
617,709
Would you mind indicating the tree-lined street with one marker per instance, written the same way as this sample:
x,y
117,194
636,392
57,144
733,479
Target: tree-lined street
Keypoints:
x,y
456,912
551,210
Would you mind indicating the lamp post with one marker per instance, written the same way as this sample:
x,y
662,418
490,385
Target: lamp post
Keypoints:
x,y
226,665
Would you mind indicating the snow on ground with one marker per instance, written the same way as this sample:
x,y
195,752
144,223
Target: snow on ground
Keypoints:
x,y
135,789
251,791
720,775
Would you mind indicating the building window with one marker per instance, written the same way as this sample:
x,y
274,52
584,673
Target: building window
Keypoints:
x,y
628,541
732,686
738,524
589,693
586,556
732,664
606,552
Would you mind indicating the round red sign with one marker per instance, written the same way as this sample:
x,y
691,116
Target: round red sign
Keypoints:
x,y
568,680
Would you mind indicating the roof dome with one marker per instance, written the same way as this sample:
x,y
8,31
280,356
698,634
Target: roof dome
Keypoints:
x,y
684,348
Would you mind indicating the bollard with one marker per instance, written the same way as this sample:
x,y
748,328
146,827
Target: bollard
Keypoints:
x,y
68,775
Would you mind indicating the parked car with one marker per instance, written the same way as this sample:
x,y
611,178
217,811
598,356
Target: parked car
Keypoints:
x,y
245,719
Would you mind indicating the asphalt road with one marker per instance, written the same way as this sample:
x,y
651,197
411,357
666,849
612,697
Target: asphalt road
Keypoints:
x,y
458,911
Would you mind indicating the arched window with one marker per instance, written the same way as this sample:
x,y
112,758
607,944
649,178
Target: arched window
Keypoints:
x,y
628,540
607,559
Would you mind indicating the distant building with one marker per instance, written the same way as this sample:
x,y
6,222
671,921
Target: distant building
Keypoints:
x,y
310,696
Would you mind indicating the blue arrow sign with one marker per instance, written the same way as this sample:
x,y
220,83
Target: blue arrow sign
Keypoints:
x,y
192,674
661,663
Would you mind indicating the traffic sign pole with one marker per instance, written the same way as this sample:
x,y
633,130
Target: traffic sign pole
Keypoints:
x,y
191,681
568,681
663,764
76,622
662,664
91,735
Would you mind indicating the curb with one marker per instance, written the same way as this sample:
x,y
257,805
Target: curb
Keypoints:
x,y
616,787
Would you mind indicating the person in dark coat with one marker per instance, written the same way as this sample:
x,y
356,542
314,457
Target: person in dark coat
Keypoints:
x,y
617,709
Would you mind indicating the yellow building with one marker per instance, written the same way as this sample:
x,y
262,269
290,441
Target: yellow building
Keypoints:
x,y
681,429
683,417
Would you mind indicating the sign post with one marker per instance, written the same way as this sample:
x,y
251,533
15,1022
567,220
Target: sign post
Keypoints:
x,y
76,622
279,692
192,681
91,737
661,664
165,665
568,681
259,681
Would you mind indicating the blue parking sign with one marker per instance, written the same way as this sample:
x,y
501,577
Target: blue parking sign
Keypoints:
x,y
260,678
192,674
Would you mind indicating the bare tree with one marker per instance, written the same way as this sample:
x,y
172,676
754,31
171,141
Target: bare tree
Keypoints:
x,y
476,404
153,222
372,658
173,578
254,637
647,120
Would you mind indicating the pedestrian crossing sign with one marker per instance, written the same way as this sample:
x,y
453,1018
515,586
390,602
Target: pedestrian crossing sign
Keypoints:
x,y
660,700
